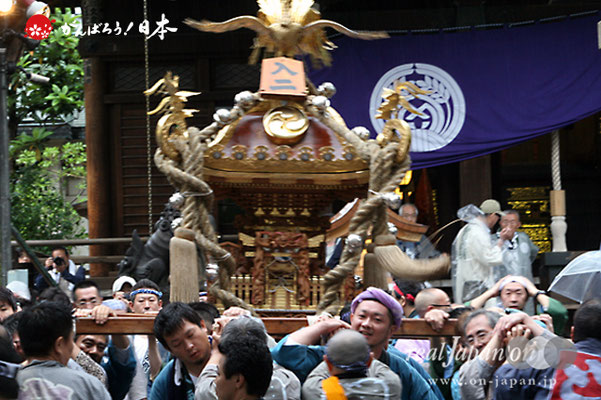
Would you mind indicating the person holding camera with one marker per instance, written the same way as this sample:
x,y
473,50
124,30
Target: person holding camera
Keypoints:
x,y
62,270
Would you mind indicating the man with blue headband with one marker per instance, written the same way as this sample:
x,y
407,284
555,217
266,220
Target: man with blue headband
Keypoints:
x,y
349,369
145,298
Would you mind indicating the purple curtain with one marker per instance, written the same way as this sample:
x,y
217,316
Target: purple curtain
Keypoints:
x,y
489,89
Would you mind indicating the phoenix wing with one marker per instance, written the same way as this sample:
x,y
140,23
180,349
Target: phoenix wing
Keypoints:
x,y
324,23
245,21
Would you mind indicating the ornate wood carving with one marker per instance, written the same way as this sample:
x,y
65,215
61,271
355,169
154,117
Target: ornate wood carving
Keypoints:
x,y
258,274
242,264
281,246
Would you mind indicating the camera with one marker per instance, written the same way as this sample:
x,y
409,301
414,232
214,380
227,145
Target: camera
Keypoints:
x,y
58,261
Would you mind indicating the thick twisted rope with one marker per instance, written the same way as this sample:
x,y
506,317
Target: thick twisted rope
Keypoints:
x,y
385,176
555,164
195,214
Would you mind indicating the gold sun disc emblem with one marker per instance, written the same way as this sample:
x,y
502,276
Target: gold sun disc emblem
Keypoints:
x,y
285,125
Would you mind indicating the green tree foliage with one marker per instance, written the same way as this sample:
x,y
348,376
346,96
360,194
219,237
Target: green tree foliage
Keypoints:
x,y
57,58
38,183
40,172
38,207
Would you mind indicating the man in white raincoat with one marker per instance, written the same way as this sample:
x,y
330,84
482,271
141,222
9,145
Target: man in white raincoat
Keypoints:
x,y
474,256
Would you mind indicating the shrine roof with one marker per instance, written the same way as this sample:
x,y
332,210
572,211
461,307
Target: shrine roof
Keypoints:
x,y
279,141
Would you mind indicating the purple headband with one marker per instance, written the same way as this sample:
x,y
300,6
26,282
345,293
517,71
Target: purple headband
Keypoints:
x,y
383,298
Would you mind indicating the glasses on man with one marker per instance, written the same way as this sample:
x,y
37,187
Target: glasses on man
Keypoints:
x,y
481,336
83,302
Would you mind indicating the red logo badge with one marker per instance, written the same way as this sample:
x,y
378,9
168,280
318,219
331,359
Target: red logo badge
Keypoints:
x,y
38,27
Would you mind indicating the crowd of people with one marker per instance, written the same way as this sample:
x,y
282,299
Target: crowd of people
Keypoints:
x,y
510,337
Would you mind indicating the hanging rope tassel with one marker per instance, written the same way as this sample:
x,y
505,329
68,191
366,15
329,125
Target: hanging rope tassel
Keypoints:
x,y
373,273
400,265
183,262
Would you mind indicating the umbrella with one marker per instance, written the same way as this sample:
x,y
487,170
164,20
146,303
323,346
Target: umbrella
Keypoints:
x,y
580,280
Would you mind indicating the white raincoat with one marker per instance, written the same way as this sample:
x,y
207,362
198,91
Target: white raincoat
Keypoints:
x,y
473,257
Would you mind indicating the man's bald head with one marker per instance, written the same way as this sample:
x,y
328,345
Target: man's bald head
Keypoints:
x,y
348,350
431,298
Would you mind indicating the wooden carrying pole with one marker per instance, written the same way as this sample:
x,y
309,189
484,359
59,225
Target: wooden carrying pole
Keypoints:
x,y
140,324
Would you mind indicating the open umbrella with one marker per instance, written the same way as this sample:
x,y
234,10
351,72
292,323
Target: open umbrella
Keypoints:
x,y
580,280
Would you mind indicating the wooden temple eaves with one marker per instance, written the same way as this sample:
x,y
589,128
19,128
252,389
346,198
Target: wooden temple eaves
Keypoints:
x,y
408,231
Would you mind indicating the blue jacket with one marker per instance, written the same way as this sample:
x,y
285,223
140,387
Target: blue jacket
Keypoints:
x,y
120,367
40,283
301,360
169,385
420,370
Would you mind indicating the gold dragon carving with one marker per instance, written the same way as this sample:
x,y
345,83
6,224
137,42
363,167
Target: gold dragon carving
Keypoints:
x,y
389,110
173,122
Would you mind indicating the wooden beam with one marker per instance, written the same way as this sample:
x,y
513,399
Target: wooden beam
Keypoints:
x,y
78,242
475,180
276,327
97,259
98,169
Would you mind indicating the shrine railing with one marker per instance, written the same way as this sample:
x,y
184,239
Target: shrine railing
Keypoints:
x,y
241,286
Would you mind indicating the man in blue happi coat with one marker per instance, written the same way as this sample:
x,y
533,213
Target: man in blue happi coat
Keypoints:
x,y
376,315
